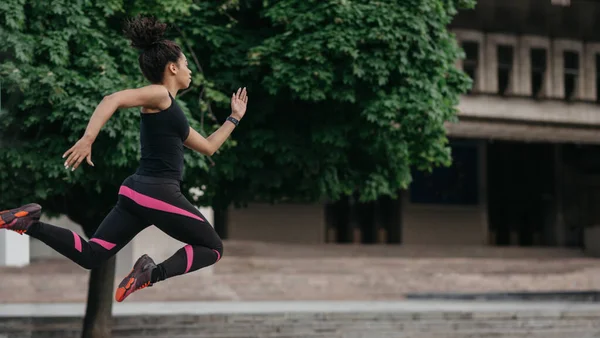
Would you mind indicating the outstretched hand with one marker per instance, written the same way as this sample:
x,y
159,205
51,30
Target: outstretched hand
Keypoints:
x,y
239,100
80,151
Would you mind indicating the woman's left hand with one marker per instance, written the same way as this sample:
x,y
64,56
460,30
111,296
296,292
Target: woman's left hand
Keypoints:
x,y
239,100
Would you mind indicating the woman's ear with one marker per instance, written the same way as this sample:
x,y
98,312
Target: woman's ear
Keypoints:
x,y
173,67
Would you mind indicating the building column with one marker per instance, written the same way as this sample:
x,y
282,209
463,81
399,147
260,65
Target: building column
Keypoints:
x,y
590,71
483,192
14,249
559,222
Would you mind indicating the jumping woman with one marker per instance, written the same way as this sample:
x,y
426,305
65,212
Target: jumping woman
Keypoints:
x,y
152,195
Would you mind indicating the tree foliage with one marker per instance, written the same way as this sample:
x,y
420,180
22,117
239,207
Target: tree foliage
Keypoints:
x,y
346,96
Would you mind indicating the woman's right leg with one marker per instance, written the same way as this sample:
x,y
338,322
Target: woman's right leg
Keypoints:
x,y
115,231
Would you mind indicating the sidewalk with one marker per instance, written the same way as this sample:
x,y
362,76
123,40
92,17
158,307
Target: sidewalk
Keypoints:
x,y
253,271
546,309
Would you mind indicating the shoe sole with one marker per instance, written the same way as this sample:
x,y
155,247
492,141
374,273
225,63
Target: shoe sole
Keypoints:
x,y
129,281
122,290
33,210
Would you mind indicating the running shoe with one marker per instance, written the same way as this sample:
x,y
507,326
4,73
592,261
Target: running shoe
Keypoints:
x,y
21,218
138,278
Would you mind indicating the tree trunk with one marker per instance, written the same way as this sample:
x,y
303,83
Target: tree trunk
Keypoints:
x,y
98,314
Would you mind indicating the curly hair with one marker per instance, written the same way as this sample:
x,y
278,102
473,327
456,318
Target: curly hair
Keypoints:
x,y
146,34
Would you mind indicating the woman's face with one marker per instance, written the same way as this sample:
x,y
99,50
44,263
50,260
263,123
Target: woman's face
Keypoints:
x,y
184,75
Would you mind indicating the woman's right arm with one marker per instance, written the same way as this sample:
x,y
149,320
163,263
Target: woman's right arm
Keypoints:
x,y
153,96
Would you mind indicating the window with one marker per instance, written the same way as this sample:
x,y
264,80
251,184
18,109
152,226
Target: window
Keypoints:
x,y
505,64
538,71
454,185
470,63
571,73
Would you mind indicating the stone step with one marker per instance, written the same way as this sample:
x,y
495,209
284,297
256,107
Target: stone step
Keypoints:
x,y
311,325
311,320
363,334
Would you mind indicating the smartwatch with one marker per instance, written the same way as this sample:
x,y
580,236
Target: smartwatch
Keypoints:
x,y
233,120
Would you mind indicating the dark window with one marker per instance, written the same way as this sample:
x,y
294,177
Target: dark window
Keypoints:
x,y
455,185
471,61
571,73
538,71
505,64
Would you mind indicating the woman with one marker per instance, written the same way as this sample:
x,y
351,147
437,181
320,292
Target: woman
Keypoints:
x,y
152,195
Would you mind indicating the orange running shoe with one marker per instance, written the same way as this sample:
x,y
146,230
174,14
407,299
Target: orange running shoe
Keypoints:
x,y
138,278
21,218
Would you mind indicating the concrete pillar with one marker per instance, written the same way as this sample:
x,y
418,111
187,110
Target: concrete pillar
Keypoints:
x,y
559,223
483,192
14,249
589,66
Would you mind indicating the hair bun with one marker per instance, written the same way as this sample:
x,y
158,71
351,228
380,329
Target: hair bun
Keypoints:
x,y
144,32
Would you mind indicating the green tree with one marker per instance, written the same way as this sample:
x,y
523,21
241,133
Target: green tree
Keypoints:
x,y
346,96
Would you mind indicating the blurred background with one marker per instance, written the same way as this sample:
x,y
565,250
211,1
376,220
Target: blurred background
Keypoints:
x,y
392,150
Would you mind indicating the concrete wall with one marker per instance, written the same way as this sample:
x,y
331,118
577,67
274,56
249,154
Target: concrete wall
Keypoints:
x,y
298,223
448,224
591,240
442,225
520,109
14,249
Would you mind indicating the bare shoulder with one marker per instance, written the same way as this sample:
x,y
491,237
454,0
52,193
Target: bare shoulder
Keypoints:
x,y
161,99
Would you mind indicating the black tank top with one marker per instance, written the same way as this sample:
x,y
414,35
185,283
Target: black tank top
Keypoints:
x,y
161,137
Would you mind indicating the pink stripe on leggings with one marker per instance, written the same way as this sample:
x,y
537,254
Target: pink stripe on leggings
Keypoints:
x,y
189,251
153,203
106,245
77,241
218,255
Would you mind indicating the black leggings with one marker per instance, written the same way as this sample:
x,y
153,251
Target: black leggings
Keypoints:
x,y
143,201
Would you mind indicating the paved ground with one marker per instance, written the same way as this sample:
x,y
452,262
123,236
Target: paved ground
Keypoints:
x,y
204,308
311,319
266,272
